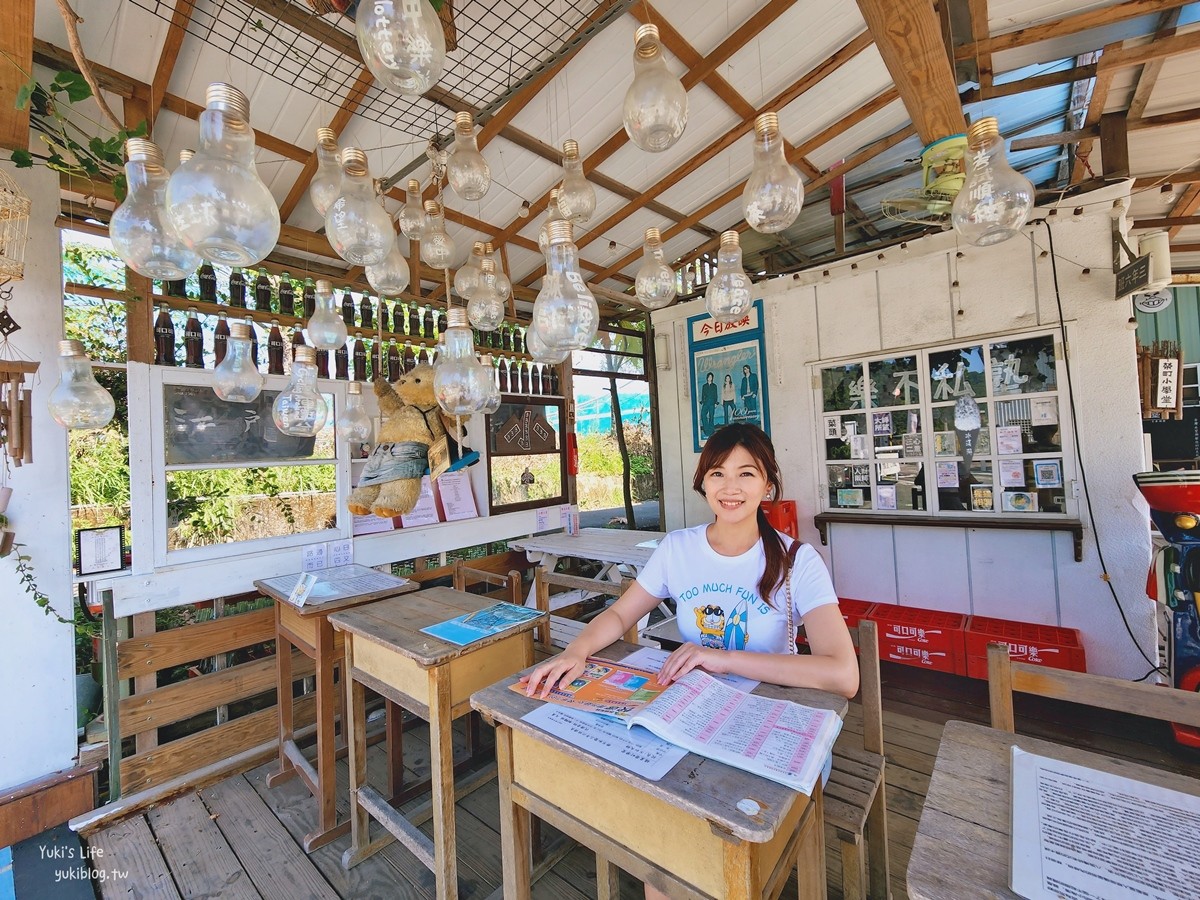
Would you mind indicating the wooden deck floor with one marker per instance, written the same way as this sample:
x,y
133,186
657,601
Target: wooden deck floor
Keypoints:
x,y
239,839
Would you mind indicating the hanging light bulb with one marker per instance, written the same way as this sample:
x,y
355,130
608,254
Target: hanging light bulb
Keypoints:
x,y
564,313
995,199
411,217
236,378
492,401
552,215
324,187
359,229
536,347
773,194
392,275
689,279
655,282
503,283
466,279
140,228
402,43
466,169
300,410
78,400
185,155
218,204
656,104
326,330
460,383
437,247
576,197
485,310
727,296
353,424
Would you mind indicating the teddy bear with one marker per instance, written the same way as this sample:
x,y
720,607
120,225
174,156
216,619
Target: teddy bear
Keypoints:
x,y
390,484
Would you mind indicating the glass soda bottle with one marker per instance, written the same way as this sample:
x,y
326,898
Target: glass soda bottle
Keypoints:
x,y
275,349
237,289
208,282
164,339
287,295
262,292
347,307
220,338
193,341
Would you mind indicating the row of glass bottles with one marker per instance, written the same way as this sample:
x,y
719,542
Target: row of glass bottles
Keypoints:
x,y
512,376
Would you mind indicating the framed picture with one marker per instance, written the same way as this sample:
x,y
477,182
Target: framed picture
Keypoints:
x,y
982,498
727,364
913,446
833,428
850,497
100,550
527,458
1047,473
1018,501
860,476
881,424
945,443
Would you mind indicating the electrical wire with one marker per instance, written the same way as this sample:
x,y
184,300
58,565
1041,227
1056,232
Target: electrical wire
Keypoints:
x,y
1087,497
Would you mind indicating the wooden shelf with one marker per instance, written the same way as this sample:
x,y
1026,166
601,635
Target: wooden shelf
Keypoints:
x,y
1011,523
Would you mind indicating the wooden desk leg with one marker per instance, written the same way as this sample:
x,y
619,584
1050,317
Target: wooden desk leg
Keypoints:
x,y
327,828
283,701
355,725
395,748
441,763
741,875
810,856
514,823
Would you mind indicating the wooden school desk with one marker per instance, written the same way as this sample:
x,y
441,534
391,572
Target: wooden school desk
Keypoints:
x,y
386,651
684,834
307,629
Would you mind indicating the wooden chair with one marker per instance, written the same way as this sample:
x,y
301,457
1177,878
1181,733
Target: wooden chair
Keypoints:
x,y
500,585
1006,676
855,796
586,595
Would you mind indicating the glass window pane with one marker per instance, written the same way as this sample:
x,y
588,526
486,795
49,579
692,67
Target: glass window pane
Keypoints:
x,y
1026,366
900,485
842,387
852,440
895,382
1030,424
956,372
953,433
847,489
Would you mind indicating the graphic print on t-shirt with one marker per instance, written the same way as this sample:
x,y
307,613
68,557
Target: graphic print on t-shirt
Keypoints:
x,y
722,611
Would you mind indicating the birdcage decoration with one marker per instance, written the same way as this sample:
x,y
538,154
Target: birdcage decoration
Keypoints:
x,y
14,229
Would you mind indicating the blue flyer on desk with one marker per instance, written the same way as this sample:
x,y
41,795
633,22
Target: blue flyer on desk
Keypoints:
x,y
482,623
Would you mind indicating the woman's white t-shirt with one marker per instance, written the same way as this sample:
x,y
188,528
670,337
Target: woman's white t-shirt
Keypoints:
x,y
717,599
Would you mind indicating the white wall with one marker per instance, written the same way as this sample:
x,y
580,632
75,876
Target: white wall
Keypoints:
x,y
907,301
37,662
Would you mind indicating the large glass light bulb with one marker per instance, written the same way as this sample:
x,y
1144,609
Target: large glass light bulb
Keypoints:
x,y
392,275
140,228
326,330
466,279
727,296
773,194
576,196
411,217
656,104
485,309
359,229
689,278
324,187
353,424
536,347
78,400
466,169
552,215
236,378
218,204
503,283
437,247
565,313
655,282
995,199
402,43
460,383
300,410
492,401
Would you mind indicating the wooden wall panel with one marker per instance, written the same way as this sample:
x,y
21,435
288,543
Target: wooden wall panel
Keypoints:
x,y
16,67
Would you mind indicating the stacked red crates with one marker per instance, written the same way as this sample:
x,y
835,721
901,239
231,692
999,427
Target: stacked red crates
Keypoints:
x,y
1038,645
926,638
852,612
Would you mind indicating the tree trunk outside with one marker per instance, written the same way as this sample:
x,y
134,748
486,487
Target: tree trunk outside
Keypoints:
x,y
619,428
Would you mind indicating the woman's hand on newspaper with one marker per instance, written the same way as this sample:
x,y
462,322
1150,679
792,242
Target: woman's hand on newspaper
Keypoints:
x,y
688,657
561,670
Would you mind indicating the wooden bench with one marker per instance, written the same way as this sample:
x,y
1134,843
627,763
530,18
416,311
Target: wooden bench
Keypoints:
x,y
582,595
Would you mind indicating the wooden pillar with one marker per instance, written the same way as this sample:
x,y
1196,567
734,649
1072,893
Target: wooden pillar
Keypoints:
x,y
16,68
1114,145
139,310
414,267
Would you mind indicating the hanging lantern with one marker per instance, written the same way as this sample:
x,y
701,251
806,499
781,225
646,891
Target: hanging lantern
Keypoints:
x,y
14,229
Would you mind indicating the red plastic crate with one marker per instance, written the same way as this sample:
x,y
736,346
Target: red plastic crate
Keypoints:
x,y
782,516
926,638
852,612
1038,645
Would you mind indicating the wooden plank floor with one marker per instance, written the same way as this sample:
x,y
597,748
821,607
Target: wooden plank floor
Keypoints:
x,y
240,839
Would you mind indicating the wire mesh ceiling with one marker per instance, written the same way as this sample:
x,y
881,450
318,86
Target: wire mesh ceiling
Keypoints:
x,y
500,45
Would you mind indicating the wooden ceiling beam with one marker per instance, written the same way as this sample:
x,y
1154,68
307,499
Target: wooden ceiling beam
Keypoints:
x,y
16,67
1090,132
1148,77
1187,176
353,99
1073,24
176,32
1184,207
978,12
1033,83
908,36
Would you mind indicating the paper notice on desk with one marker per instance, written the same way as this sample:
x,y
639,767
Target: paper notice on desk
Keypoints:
x,y
638,751
1089,835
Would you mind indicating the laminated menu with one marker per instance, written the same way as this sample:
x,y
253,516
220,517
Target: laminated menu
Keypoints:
x,y
777,739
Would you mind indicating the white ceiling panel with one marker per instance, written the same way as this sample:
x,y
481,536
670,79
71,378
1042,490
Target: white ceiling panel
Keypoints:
x,y
847,89
887,120
114,33
1163,149
730,166
706,23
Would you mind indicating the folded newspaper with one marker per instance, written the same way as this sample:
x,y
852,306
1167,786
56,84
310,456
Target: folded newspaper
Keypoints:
x,y
777,739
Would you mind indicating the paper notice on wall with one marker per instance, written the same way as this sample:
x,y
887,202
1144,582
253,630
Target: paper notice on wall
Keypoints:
x,y
425,512
371,524
1012,472
1086,834
314,557
458,502
341,553
1043,410
548,517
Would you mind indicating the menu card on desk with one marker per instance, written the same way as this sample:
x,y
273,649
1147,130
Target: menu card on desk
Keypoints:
x,y
338,583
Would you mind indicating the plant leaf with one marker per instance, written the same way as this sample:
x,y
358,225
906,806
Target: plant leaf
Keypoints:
x,y
25,93
22,159
120,187
72,84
